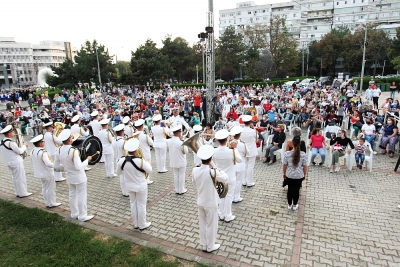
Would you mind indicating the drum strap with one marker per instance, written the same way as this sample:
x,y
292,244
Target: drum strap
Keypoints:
x,y
3,143
73,153
127,158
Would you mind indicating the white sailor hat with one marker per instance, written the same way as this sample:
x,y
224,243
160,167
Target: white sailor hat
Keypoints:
x,y
247,118
197,128
6,129
104,121
94,113
157,117
177,128
119,127
64,135
75,118
37,138
126,119
205,152
139,122
221,134
236,130
131,145
48,124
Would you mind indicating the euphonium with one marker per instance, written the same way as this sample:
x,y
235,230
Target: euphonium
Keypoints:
x,y
19,138
194,143
59,127
139,152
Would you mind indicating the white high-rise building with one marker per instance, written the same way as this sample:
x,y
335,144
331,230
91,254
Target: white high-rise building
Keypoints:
x,y
309,20
24,60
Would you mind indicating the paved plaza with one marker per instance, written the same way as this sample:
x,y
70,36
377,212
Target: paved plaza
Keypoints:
x,y
344,219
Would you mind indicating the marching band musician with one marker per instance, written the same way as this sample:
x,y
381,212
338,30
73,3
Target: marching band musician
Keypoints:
x,y
51,143
106,140
96,126
175,119
69,157
134,170
12,159
145,143
177,158
196,159
117,146
160,143
129,131
240,168
43,168
207,198
76,128
249,137
226,159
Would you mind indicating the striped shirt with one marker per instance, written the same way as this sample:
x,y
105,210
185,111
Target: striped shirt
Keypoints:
x,y
294,172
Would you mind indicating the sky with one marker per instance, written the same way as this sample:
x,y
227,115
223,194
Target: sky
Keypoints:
x,y
121,25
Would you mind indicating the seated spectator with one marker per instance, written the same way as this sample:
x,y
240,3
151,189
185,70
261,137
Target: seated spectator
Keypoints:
x,y
369,131
316,143
287,118
232,113
331,118
219,125
208,133
195,120
277,142
390,137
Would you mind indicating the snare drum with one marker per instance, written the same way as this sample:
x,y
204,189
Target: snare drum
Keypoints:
x,y
88,146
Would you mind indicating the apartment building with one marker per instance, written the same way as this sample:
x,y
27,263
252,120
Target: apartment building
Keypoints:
x,y
24,60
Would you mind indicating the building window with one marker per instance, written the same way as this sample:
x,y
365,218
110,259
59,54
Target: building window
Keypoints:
x,y
249,12
263,11
238,13
294,15
337,3
315,28
264,18
345,2
312,35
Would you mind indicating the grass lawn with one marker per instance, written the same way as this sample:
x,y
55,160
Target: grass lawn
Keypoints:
x,y
33,237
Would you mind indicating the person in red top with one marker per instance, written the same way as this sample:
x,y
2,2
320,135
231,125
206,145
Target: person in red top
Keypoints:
x,y
316,143
355,121
196,102
267,106
232,113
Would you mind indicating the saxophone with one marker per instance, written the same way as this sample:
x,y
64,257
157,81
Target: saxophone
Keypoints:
x,y
19,137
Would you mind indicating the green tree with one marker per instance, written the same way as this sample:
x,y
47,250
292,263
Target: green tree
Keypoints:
x,y
149,64
64,74
264,67
282,45
86,67
124,73
179,55
255,36
394,51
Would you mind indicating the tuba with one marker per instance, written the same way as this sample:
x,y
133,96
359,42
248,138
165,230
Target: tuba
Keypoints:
x,y
139,150
59,127
194,143
18,136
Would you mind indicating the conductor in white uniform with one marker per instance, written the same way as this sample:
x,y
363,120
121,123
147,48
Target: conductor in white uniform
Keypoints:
x,y
96,126
12,159
43,168
177,159
249,137
106,140
135,170
160,143
207,198
226,158
69,157
76,128
51,143
118,147
145,143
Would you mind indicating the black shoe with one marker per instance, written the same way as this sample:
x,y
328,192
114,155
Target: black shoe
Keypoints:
x,y
313,163
321,163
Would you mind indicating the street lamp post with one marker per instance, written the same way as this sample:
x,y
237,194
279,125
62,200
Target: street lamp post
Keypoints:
x,y
98,70
197,73
363,61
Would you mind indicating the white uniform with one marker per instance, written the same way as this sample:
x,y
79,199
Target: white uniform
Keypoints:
x,y
78,129
160,146
12,159
145,143
240,170
226,159
43,168
118,145
207,200
51,143
249,137
69,157
129,131
96,127
108,153
177,158
178,120
136,185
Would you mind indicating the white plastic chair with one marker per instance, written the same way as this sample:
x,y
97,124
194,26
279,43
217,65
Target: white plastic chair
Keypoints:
x,y
368,158
347,157
281,151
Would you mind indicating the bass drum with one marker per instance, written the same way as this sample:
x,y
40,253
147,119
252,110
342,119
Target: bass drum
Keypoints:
x,y
88,146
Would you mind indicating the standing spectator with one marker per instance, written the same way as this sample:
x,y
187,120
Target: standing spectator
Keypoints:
x,y
376,92
393,90
197,102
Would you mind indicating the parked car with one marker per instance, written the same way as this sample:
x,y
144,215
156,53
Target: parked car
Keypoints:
x,y
219,81
290,83
325,80
307,82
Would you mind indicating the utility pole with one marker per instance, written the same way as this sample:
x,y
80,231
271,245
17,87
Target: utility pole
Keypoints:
x,y
197,73
302,64
210,64
98,70
363,61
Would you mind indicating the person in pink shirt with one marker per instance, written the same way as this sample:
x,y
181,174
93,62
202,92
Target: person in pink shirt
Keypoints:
x,y
316,143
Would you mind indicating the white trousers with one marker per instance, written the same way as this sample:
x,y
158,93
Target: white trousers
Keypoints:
x,y
179,179
19,179
208,219
196,159
250,162
240,176
148,177
109,164
138,201
225,208
57,175
161,154
78,200
49,191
